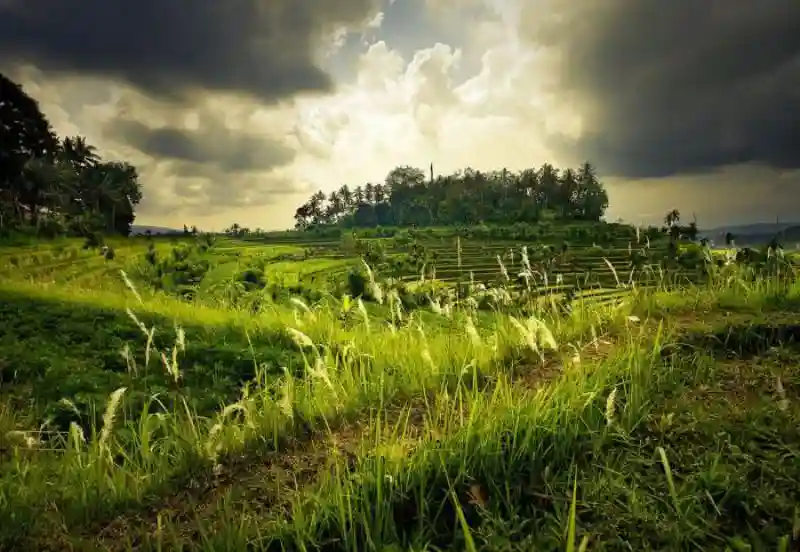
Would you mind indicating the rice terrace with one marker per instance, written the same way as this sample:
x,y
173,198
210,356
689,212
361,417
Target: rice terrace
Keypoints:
x,y
466,362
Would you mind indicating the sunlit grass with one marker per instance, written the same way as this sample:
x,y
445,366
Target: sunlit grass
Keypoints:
x,y
509,429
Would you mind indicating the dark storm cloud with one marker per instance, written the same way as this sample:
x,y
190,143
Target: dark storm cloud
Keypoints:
x,y
207,148
681,85
210,168
172,47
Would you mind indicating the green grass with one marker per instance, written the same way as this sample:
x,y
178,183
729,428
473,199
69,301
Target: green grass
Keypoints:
x,y
59,349
293,272
657,416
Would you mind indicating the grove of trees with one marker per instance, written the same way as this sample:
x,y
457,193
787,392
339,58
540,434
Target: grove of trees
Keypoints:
x,y
52,186
408,197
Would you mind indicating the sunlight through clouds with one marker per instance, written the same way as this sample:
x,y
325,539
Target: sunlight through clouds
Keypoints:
x,y
481,83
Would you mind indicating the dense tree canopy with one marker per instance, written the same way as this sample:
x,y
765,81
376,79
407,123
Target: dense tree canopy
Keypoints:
x,y
408,197
56,186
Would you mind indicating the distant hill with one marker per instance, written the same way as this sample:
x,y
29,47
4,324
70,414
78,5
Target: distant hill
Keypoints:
x,y
792,234
139,230
752,229
755,234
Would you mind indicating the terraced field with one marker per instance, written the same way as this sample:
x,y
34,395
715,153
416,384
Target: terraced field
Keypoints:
x,y
590,272
67,262
134,416
584,273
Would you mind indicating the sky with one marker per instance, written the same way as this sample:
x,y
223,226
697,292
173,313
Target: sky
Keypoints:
x,y
237,111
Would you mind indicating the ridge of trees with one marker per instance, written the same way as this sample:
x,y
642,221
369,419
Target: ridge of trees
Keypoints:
x,y
53,186
467,197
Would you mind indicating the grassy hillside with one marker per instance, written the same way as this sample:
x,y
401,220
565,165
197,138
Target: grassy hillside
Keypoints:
x,y
587,389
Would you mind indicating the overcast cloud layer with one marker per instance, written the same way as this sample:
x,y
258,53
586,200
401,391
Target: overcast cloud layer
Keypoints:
x,y
680,86
171,48
234,111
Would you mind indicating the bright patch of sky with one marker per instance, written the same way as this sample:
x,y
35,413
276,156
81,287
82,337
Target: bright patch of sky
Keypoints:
x,y
408,26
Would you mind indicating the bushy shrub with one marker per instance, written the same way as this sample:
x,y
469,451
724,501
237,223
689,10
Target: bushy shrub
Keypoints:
x,y
692,256
50,227
357,284
253,278
94,240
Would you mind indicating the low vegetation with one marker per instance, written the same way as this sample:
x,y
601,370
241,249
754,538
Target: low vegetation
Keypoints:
x,y
507,415
544,382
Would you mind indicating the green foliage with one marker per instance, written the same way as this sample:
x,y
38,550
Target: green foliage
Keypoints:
x,y
521,375
692,256
179,273
151,256
57,187
357,284
468,197
24,134
437,411
253,279
62,351
675,230
94,240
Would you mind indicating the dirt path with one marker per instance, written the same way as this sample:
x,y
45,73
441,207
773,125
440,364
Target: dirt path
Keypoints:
x,y
254,485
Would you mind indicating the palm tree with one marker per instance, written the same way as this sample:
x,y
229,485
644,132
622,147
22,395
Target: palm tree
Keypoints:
x,y
52,186
358,195
569,190
81,155
37,178
346,197
379,193
369,192
108,189
123,193
334,208
548,178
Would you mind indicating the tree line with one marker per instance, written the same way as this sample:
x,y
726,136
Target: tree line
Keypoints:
x,y
53,186
408,197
